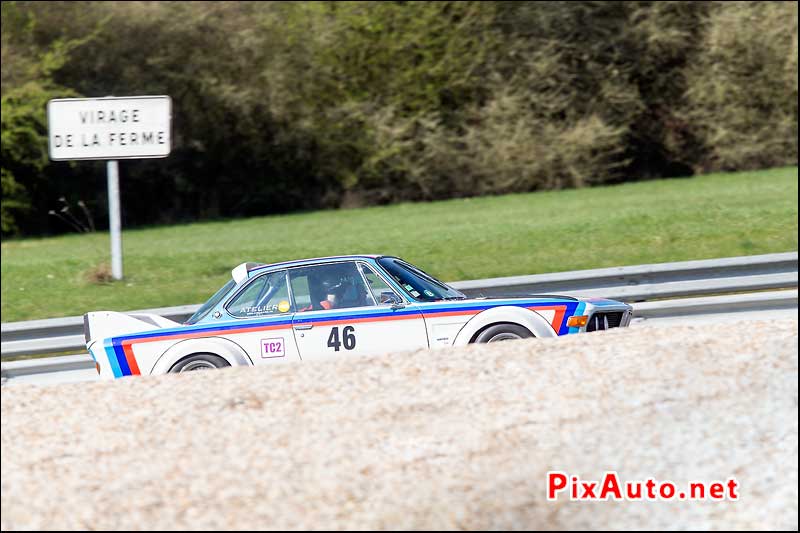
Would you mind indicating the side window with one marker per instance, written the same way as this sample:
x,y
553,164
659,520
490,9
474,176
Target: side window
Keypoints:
x,y
329,286
302,296
265,295
380,290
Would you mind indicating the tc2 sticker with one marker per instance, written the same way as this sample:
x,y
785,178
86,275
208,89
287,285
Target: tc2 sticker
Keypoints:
x,y
272,348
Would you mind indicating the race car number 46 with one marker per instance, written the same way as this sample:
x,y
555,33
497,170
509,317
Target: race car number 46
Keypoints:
x,y
348,338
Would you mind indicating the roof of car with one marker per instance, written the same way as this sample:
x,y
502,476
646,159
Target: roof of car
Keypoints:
x,y
261,266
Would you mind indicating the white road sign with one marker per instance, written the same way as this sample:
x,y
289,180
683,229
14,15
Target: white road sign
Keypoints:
x,y
128,127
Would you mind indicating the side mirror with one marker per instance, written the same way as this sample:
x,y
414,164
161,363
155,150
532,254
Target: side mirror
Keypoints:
x,y
389,297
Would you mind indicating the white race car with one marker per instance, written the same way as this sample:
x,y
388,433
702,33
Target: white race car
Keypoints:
x,y
316,309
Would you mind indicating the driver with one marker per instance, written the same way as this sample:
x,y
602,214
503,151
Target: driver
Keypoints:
x,y
332,289
326,292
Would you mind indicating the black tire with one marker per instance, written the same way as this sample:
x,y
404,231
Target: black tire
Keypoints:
x,y
200,361
502,332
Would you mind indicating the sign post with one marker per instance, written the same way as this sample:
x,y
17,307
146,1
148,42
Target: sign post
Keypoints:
x,y
114,224
110,128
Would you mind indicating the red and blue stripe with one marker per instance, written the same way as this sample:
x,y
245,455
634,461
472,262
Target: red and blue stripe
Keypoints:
x,y
123,361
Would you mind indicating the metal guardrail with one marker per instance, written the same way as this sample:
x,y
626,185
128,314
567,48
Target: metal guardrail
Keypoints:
x,y
59,335
631,284
648,282
47,365
729,303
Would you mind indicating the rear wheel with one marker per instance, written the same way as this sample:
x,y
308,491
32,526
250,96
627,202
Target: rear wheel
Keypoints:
x,y
502,332
201,361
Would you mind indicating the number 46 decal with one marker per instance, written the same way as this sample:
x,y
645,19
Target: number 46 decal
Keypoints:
x,y
348,338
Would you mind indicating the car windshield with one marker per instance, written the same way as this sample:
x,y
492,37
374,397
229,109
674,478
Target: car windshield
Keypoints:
x,y
211,303
417,283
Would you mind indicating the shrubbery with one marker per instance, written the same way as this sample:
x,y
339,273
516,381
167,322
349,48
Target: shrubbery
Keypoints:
x,y
287,106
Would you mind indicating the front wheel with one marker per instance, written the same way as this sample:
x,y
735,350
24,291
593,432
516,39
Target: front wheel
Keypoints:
x,y
502,332
203,361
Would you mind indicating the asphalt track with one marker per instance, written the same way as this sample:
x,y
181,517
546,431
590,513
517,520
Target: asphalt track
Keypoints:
x,y
455,438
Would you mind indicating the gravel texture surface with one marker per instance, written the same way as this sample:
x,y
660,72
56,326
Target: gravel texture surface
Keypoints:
x,y
455,438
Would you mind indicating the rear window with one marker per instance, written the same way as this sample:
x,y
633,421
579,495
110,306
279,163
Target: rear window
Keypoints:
x,y
267,294
211,303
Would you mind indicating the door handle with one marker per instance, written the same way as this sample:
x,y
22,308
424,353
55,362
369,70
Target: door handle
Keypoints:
x,y
303,326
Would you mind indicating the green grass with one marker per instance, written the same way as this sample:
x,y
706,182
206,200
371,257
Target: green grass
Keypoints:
x,y
709,216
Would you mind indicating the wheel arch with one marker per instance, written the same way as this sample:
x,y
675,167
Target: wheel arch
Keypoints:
x,y
528,319
228,350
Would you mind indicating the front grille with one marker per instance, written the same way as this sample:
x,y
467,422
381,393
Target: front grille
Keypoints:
x,y
601,321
